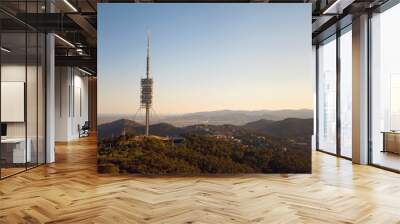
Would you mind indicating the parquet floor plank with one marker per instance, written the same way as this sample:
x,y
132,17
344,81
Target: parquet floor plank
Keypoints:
x,y
71,191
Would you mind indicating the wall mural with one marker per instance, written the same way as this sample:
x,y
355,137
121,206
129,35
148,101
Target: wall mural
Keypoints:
x,y
188,89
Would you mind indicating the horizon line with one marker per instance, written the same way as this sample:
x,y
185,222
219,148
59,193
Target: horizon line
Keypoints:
x,y
239,110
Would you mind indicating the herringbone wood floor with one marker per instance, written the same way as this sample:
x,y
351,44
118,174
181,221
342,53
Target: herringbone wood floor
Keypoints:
x,y
70,191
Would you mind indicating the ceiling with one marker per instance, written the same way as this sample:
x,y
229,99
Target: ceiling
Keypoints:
x,y
75,21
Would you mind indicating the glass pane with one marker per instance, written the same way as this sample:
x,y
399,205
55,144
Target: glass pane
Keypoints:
x,y
23,90
41,98
386,89
327,96
346,94
13,76
31,98
394,102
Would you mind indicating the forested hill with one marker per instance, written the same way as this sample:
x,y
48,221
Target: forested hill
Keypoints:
x,y
286,128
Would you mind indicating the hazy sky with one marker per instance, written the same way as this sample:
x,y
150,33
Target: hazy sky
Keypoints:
x,y
205,56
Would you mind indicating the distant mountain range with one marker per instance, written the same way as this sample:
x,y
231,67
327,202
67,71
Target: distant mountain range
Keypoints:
x,y
290,127
286,128
220,117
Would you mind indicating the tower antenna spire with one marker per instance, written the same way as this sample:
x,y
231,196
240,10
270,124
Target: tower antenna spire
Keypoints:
x,y
148,73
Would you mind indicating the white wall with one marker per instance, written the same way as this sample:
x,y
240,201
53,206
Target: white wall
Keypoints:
x,y
12,73
80,109
33,127
71,93
62,81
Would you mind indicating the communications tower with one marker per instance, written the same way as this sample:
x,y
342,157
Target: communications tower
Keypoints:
x,y
146,97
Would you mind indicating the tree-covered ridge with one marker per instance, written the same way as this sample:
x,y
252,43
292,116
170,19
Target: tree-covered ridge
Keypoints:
x,y
287,128
203,153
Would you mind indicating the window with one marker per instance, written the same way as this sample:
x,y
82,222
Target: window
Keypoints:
x,y
346,93
385,89
327,96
